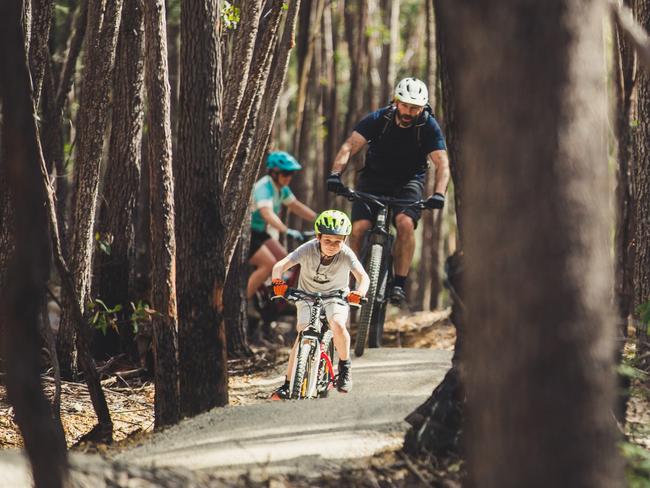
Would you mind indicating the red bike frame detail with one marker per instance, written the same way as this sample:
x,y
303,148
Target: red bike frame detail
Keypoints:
x,y
328,362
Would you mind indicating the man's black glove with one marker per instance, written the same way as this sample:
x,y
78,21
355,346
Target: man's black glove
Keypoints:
x,y
334,183
437,200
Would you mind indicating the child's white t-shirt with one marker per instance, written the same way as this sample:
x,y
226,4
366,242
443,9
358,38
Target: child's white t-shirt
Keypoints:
x,y
316,277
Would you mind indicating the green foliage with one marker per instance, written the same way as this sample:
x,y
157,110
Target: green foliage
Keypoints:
x,y
285,6
230,15
103,316
104,242
643,311
637,469
140,315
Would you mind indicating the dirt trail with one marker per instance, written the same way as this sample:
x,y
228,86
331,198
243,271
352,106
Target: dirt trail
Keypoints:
x,y
272,437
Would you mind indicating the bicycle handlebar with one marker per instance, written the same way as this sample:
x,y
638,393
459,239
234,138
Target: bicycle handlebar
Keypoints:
x,y
294,294
382,200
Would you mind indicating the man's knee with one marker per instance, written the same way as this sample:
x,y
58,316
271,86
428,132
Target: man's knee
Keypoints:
x,y
404,224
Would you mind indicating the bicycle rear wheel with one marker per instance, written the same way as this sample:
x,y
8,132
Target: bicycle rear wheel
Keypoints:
x,y
373,267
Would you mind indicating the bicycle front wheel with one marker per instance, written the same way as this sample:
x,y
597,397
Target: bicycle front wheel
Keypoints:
x,y
301,376
379,310
374,266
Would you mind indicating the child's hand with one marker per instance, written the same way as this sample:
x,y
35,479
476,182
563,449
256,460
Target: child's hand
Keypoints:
x,y
354,298
279,287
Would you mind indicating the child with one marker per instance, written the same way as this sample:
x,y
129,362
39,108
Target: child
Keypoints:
x,y
325,266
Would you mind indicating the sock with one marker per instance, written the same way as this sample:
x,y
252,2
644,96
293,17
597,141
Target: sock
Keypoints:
x,y
347,363
399,281
286,381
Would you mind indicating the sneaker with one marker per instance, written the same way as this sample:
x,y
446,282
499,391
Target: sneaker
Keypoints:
x,y
397,295
344,379
282,393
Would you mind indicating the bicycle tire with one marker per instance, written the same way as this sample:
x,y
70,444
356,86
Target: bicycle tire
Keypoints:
x,y
324,377
300,376
379,312
374,266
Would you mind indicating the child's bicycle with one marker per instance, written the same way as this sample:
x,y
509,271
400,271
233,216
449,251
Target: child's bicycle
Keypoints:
x,y
378,261
313,373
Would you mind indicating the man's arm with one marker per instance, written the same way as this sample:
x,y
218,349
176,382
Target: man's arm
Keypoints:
x,y
302,210
441,164
350,147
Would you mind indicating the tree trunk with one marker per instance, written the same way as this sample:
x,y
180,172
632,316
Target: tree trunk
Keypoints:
x,y
235,302
540,414
428,272
356,21
29,266
641,185
122,182
199,176
163,241
390,13
103,26
39,55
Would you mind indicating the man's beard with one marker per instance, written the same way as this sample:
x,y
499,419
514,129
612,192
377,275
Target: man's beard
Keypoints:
x,y
404,120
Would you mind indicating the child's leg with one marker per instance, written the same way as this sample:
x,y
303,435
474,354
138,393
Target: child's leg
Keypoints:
x,y
337,318
302,320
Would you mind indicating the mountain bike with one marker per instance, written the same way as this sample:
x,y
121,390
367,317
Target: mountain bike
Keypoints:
x,y
313,373
377,257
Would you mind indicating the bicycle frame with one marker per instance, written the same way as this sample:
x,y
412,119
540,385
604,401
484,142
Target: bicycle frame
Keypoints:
x,y
377,257
312,345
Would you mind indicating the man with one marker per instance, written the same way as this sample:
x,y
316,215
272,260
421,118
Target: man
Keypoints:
x,y
402,139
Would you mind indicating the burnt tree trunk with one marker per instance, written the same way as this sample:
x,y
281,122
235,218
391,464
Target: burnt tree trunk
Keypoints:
x,y
539,301
163,240
199,173
29,264
103,27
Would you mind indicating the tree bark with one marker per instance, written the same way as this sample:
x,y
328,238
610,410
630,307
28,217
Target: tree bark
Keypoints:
x,y
641,185
39,55
199,174
163,240
540,414
103,27
356,22
29,266
235,302
112,279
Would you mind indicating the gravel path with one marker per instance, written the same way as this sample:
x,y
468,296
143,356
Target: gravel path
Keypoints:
x,y
283,437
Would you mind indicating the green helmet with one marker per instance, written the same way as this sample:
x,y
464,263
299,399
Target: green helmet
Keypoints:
x,y
333,222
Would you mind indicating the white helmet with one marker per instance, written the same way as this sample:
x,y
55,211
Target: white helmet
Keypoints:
x,y
413,91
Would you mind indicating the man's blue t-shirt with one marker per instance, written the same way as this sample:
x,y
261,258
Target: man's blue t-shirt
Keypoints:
x,y
397,153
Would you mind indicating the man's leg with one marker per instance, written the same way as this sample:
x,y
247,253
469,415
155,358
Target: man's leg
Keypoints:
x,y
404,247
359,229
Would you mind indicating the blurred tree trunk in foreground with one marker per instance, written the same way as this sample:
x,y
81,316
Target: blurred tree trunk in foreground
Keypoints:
x,y
29,265
539,359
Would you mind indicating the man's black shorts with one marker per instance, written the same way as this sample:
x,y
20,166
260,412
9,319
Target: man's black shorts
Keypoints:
x,y
257,240
411,190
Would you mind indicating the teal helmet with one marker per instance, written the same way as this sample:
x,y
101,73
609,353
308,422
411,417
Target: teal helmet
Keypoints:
x,y
333,222
282,161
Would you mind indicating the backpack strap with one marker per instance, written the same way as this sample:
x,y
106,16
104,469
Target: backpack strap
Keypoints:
x,y
387,120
